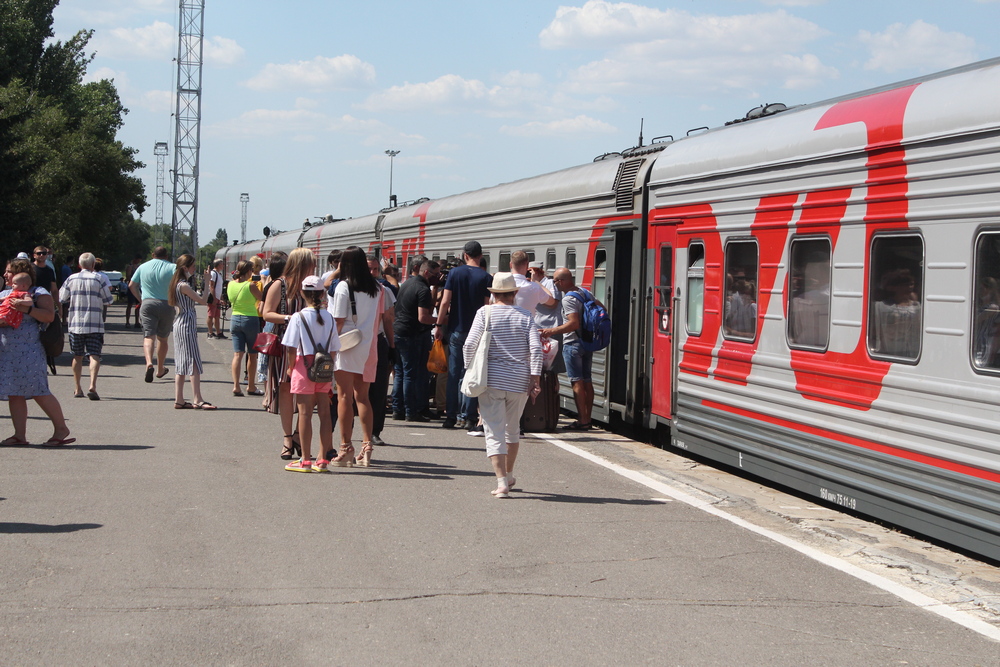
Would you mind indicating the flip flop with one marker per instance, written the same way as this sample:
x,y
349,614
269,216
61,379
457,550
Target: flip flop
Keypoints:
x,y
165,371
149,373
92,395
78,395
56,442
255,392
14,441
183,406
204,405
237,392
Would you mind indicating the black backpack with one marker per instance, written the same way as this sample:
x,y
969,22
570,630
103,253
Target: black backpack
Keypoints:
x,y
321,369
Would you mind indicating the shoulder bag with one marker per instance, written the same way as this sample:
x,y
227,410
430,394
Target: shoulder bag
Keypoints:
x,y
351,338
51,334
474,382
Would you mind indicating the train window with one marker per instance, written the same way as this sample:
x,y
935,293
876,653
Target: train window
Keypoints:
x,y
740,309
600,286
895,310
550,259
486,258
809,278
695,288
505,261
664,290
571,259
986,316
436,257
530,254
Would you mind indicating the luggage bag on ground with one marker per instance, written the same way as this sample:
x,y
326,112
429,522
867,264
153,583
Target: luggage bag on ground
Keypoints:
x,y
542,416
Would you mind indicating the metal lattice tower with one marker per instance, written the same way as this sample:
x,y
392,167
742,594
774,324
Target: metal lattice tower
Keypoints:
x,y
187,135
160,151
244,198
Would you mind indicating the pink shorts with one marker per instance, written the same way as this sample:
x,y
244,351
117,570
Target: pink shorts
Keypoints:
x,y
214,308
301,384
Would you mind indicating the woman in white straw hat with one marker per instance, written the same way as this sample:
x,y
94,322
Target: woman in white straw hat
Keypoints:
x,y
514,365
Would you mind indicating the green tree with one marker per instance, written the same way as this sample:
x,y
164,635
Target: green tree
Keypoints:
x,y
207,252
65,179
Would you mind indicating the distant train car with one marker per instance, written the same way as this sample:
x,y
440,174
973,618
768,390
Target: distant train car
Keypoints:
x,y
583,218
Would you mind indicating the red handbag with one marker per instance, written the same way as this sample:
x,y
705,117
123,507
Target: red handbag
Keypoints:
x,y
267,343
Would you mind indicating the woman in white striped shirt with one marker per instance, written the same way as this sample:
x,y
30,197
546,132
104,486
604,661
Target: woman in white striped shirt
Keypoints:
x,y
513,370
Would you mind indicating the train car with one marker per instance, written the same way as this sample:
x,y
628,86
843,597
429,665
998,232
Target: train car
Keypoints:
x,y
584,218
341,234
823,290
280,242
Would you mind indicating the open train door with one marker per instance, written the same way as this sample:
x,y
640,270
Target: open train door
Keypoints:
x,y
662,241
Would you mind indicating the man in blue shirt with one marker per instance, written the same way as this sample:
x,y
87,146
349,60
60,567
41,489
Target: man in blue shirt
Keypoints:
x,y
150,284
465,292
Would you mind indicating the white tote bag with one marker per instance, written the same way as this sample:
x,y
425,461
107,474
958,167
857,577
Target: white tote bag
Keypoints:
x,y
474,382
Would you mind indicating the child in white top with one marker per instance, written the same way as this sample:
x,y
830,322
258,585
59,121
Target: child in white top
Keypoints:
x,y
306,327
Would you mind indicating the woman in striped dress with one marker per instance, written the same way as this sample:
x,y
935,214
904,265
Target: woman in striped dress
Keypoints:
x,y
187,356
514,367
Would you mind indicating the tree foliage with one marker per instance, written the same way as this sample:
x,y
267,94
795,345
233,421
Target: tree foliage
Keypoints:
x,y
65,179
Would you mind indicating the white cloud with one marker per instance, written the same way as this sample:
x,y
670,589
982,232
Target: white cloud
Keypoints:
x,y
443,92
222,51
919,46
794,3
158,41
564,127
344,72
159,101
305,122
694,53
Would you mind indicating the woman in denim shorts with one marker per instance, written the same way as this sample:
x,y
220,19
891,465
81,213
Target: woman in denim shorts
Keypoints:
x,y
244,325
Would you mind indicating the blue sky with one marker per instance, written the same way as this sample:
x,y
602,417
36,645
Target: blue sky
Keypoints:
x,y
302,98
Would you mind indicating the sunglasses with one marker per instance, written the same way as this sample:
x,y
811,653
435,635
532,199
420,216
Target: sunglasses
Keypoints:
x,y
41,254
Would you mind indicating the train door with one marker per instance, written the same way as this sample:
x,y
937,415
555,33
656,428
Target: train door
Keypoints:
x,y
616,296
662,243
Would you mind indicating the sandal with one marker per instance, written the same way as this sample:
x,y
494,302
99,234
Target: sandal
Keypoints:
x,y
345,459
204,405
577,426
288,450
255,392
364,459
14,441
183,406
237,392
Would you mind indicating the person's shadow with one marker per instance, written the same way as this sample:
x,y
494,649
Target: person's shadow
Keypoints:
x,y
10,528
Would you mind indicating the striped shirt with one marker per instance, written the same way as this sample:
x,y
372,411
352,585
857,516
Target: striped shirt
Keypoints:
x,y
515,349
87,294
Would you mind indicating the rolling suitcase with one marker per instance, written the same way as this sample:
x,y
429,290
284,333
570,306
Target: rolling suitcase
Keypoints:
x,y
542,416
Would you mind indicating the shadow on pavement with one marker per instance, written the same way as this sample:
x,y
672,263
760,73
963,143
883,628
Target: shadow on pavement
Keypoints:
x,y
589,500
432,469
12,528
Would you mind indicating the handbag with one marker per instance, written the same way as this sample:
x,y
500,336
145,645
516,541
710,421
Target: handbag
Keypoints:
x,y
437,360
267,343
474,382
351,338
51,336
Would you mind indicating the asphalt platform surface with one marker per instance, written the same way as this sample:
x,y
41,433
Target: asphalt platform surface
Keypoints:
x,y
174,537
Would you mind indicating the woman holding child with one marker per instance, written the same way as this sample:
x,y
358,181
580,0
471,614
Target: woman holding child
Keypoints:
x,y
23,373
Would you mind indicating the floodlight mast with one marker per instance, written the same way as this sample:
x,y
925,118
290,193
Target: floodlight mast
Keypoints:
x,y
187,134
160,151
244,198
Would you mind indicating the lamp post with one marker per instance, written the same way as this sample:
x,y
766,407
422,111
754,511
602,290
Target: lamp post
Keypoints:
x,y
392,154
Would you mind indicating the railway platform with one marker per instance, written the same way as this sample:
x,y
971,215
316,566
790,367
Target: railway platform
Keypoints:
x,y
176,537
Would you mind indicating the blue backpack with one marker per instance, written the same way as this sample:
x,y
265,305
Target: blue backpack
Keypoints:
x,y
595,324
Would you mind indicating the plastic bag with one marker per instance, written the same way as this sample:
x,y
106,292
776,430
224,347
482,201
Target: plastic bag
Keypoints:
x,y
437,361
550,352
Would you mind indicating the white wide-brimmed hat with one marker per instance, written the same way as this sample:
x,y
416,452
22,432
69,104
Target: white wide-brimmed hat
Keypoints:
x,y
503,283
